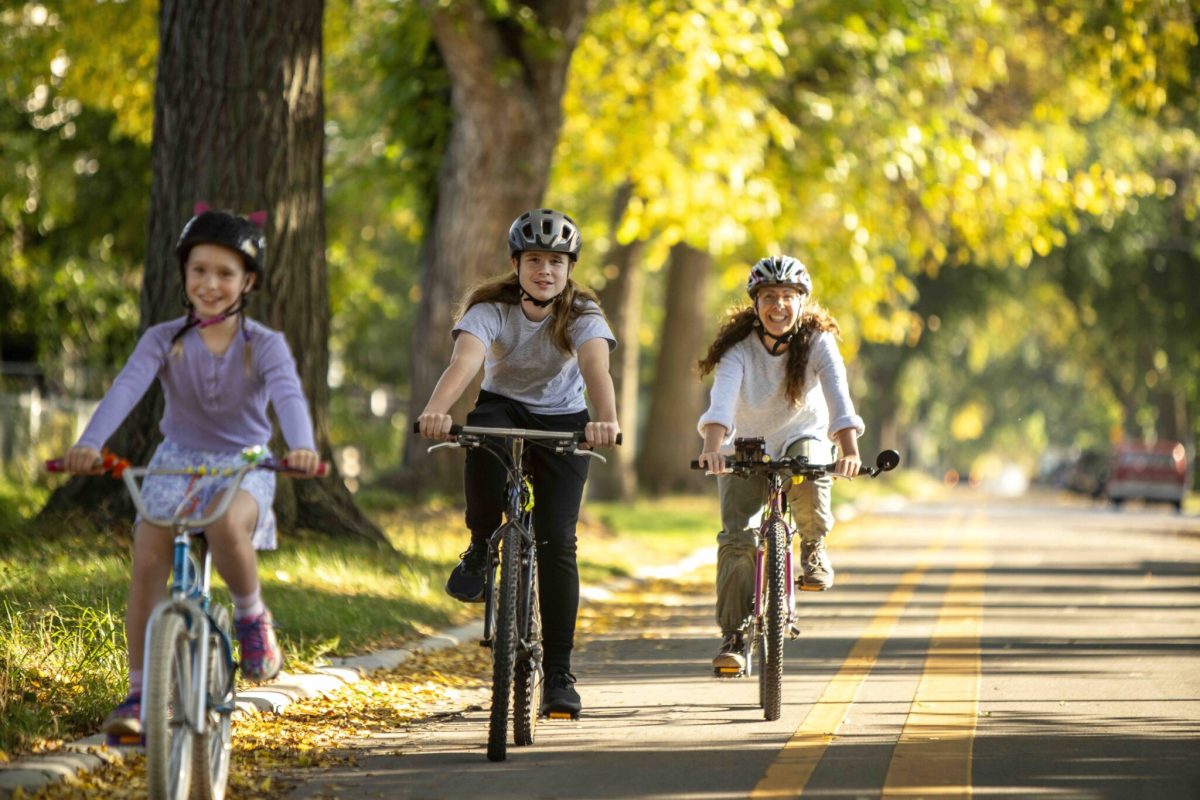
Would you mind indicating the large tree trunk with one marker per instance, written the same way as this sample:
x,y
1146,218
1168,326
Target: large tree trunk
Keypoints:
x,y
506,91
239,124
622,301
671,441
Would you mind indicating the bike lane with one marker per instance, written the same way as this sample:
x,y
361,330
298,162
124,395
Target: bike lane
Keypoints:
x,y
955,641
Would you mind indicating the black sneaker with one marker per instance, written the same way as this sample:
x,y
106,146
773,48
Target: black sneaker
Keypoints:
x,y
466,582
559,698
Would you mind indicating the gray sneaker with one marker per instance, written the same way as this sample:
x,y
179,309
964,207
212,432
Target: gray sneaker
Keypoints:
x,y
732,654
818,572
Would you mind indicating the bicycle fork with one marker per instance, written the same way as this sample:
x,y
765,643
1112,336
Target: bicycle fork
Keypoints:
x,y
777,510
189,599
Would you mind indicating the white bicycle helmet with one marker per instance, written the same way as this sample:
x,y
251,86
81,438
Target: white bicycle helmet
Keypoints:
x,y
779,271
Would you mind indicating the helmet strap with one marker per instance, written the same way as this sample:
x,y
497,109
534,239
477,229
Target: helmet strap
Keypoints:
x,y
233,310
526,296
780,342
539,303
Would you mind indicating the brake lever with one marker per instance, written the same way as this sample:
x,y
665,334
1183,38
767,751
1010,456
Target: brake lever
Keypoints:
x,y
590,454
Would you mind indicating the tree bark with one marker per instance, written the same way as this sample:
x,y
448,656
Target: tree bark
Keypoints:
x,y
622,301
239,124
506,94
677,400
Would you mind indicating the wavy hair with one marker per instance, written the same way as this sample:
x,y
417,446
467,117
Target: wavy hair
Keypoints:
x,y
569,305
741,322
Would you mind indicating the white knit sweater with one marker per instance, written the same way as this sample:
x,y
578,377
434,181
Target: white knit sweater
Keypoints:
x,y
749,395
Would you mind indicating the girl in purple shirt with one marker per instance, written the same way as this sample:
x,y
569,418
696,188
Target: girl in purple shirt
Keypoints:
x,y
218,370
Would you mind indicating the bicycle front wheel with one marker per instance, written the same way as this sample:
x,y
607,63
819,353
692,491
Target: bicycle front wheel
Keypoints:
x,y
527,685
166,693
211,750
771,676
504,645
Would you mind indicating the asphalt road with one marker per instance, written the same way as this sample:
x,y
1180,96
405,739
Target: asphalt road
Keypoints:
x,y
1003,648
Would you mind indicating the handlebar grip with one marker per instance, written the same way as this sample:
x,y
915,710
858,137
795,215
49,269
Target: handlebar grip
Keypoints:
x,y
322,468
60,464
455,429
696,464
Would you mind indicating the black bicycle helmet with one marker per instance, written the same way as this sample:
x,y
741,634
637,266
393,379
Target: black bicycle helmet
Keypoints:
x,y
778,271
544,229
229,230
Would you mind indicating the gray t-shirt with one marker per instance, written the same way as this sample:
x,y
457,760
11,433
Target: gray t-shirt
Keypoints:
x,y
522,362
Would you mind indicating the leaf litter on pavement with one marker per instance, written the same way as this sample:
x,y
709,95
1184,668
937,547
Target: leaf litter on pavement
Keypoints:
x,y
312,733
271,751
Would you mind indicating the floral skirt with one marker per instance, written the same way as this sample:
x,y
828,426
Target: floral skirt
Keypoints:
x,y
163,493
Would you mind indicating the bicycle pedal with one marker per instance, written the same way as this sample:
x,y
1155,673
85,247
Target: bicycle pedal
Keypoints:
x,y
561,715
125,740
793,632
728,672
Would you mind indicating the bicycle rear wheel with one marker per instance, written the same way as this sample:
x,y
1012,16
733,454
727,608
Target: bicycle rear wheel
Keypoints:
x,y
504,646
772,673
212,749
165,696
527,684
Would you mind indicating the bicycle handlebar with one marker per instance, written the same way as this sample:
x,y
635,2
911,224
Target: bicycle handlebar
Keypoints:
x,y
885,461
120,468
58,465
565,437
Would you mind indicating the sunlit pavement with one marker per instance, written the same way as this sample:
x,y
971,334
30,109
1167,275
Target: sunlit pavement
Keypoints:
x,y
1014,647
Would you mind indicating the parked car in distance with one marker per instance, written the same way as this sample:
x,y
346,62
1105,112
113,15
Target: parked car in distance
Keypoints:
x,y
1087,473
1151,472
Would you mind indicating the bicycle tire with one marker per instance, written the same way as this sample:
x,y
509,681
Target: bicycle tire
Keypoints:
x,y
527,683
210,771
776,618
167,689
504,645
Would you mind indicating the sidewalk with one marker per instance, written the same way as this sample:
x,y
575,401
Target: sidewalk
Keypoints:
x,y
33,772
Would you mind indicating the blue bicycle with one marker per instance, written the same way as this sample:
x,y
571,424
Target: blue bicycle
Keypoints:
x,y
189,692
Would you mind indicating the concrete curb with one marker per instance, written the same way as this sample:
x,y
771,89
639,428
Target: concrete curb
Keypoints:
x,y
30,774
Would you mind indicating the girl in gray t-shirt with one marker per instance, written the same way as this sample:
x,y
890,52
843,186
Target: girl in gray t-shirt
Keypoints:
x,y
541,341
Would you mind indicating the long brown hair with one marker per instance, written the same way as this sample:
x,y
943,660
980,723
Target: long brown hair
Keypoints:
x,y
740,323
567,306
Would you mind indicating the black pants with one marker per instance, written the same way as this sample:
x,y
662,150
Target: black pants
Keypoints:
x,y
557,490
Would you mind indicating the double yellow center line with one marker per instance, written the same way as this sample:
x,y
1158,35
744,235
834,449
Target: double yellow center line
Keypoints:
x,y
933,753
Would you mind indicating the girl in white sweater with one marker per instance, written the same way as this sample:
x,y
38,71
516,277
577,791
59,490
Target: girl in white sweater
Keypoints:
x,y
777,374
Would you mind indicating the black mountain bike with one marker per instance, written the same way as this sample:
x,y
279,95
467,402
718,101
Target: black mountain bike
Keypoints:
x,y
511,611
774,613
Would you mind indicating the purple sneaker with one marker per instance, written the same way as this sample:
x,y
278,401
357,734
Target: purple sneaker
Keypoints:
x,y
261,656
123,725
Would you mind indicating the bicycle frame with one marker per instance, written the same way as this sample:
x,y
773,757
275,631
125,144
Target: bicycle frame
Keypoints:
x,y
517,514
774,607
510,632
775,508
191,582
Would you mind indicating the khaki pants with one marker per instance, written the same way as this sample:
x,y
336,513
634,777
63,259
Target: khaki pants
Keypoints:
x,y
742,502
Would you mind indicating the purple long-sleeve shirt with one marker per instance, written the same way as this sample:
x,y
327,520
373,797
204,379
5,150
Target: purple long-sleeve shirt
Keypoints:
x,y
212,401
